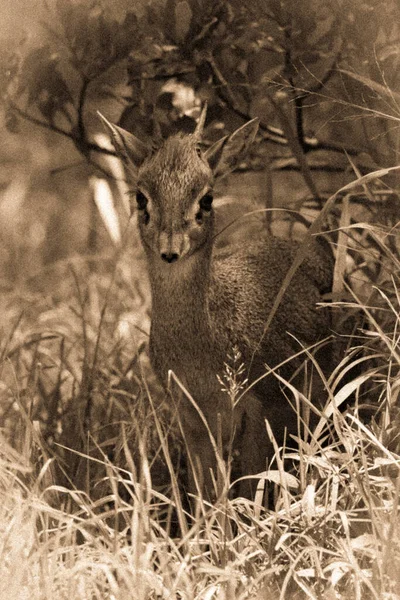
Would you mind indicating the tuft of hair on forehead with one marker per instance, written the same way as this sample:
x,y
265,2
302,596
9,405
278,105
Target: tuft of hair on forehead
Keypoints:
x,y
176,166
177,151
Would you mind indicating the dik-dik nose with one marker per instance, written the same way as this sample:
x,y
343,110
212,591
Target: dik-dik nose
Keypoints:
x,y
170,257
170,246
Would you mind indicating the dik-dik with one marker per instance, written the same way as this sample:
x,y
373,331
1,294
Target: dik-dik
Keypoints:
x,y
204,304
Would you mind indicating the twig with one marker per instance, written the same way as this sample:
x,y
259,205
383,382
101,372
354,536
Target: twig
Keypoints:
x,y
82,144
38,122
296,147
81,106
221,79
298,116
276,135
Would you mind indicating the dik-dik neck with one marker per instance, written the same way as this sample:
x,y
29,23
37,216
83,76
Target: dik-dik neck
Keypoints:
x,y
180,293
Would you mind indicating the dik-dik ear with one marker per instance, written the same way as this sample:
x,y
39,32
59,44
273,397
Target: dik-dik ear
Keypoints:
x,y
224,156
128,147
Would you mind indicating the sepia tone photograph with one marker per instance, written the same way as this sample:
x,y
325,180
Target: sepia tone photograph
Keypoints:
x,y
200,311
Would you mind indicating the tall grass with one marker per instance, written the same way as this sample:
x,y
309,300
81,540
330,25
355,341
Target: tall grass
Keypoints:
x,y
90,459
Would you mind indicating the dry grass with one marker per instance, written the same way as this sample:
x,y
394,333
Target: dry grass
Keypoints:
x,y
91,507
92,504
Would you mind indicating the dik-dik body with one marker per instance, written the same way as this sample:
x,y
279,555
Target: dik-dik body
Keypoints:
x,y
204,304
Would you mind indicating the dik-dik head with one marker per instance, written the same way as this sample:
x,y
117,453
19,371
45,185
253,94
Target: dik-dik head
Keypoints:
x,y
174,185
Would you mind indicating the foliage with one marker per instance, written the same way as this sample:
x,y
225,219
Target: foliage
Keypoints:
x,y
291,67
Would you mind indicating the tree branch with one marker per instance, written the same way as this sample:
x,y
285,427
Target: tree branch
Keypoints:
x,y
276,135
81,106
298,117
82,144
37,121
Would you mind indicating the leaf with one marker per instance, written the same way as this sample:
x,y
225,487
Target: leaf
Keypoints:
x,y
43,82
381,90
96,38
273,475
128,36
365,544
12,121
183,19
9,66
341,396
341,254
169,24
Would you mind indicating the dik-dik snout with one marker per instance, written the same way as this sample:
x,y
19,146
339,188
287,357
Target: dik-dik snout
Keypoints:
x,y
169,257
171,246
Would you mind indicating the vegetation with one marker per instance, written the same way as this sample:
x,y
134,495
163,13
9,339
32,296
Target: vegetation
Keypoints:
x,y
90,463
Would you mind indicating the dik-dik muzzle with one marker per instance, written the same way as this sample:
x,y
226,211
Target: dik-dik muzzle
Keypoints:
x,y
172,246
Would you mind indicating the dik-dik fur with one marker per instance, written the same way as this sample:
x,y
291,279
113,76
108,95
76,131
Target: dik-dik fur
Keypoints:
x,y
204,304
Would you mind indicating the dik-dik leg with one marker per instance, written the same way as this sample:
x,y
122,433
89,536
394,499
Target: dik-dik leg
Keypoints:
x,y
202,462
253,444
206,439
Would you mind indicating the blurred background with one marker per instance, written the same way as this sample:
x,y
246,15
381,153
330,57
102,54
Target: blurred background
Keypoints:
x,y
322,78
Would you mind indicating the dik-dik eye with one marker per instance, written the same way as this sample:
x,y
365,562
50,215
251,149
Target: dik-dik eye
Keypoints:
x,y
206,202
141,200
142,206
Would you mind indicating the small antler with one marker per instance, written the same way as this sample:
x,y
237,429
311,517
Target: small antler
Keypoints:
x,y
198,132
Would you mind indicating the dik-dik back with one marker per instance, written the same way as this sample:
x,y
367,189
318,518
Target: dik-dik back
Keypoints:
x,y
204,305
